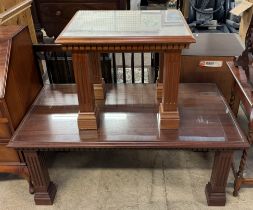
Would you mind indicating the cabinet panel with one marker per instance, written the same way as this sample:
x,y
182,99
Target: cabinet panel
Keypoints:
x,y
55,16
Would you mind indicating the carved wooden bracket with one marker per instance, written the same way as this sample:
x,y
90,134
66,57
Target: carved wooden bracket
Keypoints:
x,y
245,59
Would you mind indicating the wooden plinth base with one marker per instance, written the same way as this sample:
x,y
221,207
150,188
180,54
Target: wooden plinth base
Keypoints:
x,y
159,90
46,198
214,198
88,120
168,120
99,91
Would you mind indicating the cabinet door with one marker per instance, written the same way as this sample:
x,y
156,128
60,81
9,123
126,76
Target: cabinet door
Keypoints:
x,y
55,16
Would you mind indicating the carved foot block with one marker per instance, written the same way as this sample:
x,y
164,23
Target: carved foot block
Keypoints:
x,y
47,197
169,120
88,120
159,90
99,91
214,198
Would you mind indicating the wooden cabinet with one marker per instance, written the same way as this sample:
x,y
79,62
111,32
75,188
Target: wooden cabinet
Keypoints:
x,y
20,83
54,15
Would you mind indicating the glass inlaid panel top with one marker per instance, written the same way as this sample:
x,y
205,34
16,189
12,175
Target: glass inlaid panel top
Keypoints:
x,y
98,24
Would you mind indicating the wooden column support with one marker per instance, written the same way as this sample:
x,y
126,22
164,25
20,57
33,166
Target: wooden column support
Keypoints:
x,y
98,81
87,117
215,189
45,190
169,116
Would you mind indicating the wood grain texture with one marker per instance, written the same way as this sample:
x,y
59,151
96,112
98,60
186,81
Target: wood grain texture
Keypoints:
x,y
169,116
44,189
83,77
53,16
17,12
243,91
128,119
96,73
20,83
215,189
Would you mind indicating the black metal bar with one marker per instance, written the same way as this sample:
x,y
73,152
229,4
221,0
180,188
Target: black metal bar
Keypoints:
x,y
114,68
132,67
124,67
156,66
69,78
49,70
57,67
142,67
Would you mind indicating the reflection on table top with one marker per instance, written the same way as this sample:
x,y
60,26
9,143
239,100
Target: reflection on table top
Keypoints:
x,y
129,119
131,24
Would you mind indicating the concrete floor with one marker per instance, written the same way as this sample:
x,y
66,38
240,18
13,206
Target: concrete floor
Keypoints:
x,y
124,180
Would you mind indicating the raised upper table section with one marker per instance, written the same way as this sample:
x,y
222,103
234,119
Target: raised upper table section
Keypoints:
x,y
153,26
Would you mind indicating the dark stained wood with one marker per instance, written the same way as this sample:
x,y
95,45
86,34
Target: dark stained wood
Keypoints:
x,y
53,16
169,108
215,189
52,122
211,47
242,90
20,83
45,190
206,122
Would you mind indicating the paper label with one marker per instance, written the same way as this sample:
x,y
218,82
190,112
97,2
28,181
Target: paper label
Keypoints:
x,y
213,64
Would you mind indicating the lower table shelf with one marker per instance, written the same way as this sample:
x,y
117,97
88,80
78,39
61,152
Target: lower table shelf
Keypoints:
x,y
129,118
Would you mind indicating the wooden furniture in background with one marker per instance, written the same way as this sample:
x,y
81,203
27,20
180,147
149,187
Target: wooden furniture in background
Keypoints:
x,y
242,72
19,85
211,47
17,13
126,31
206,123
53,15
242,90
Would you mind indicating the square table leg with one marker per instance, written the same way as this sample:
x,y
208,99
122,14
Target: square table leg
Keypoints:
x,y
169,116
215,189
44,189
98,81
87,117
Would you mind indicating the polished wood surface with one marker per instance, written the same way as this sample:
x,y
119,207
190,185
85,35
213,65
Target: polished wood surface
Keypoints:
x,y
129,119
242,90
211,47
53,15
20,83
206,121
135,31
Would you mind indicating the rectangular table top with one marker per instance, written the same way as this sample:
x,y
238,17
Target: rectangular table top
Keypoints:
x,y
215,44
159,26
129,119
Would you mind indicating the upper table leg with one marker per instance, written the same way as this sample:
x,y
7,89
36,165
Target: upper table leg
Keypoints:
x,y
98,81
87,117
169,116
45,190
215,189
